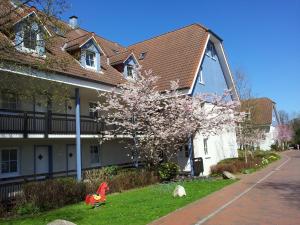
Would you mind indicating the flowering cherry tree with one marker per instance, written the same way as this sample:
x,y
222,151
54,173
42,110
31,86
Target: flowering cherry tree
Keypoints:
x,y
249,136
284,134
158,123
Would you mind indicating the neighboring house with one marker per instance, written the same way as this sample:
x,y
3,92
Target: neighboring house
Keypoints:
x,y
263,115
38,141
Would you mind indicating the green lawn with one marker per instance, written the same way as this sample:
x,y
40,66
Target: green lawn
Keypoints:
x,y
139,206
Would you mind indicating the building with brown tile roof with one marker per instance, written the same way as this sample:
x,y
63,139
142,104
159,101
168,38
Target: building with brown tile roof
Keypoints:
x,y
263,114
262,110
85,61
175,55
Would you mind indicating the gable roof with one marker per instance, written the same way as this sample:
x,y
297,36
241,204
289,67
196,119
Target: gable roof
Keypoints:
x,y
120,57
174,55
260,109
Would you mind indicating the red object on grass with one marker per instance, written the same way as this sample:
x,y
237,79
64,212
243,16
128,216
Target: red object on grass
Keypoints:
x,y
99,197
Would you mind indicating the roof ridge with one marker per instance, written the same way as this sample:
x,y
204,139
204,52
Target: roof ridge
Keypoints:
x,y
172,31
77,38
96,35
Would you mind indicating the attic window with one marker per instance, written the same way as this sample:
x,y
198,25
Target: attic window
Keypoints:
x,y
129,71
90,59
142,55
211,51
30,39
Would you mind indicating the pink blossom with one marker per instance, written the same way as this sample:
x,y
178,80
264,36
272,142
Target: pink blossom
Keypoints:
x,y
161,122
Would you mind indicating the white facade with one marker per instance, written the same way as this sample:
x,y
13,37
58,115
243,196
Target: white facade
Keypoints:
x,y
218,147
33,155
270,139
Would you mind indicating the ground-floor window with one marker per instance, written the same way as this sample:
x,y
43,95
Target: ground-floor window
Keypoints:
x,y
95,155
9,160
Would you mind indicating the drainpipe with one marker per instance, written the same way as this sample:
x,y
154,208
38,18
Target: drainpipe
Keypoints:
x,y
78,144
191,154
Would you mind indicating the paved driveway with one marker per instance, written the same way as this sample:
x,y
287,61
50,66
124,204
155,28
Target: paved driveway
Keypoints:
x,y
270,196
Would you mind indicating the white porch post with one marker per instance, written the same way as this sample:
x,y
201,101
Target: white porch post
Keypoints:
x,y
191,154
78,141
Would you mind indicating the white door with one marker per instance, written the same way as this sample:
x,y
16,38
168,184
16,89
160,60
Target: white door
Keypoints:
x,y
71,157
42,159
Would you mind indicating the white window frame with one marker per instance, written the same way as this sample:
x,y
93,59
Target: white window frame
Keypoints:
x,y
201,79
205,146
94,163
132,71
31,32
211,48
10,174
94,60
29,50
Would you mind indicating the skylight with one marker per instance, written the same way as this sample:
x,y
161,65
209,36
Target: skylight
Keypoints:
x,y
142,55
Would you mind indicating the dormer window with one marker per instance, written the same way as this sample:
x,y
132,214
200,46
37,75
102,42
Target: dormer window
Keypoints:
x,y
90,59
30,39
30,36
130,71
87,51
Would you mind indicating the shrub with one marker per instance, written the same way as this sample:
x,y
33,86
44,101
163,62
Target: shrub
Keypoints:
x,y
50,194
168,171
102,173
234,165
27,208
276,147
3,210
132,178
119,179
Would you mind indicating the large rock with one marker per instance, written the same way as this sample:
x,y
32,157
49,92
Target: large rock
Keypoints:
x,y
179,191
61,222
228,175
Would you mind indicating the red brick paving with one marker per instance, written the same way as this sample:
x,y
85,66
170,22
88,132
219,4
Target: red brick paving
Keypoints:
x,y
275,200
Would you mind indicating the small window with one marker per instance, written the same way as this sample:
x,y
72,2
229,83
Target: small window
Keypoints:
x,y
95,155
205,146
129,71
9,161
201,80
90,59
142,55
30,39
186,151
93,112
9,101
211,52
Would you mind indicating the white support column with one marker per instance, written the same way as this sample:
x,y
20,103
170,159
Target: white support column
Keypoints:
x,y
78,141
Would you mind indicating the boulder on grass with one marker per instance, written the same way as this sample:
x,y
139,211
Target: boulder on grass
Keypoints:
x,y
61,222
179,191
228,175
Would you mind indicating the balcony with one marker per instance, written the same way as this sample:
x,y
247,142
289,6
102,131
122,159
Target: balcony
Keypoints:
x,y
26,123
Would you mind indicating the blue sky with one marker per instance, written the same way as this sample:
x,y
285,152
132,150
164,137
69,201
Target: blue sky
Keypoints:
x,y
261,37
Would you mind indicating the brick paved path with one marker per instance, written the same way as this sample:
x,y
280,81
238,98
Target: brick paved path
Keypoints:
x,y
269,196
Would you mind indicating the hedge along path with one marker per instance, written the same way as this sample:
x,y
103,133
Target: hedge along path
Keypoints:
x,y
139,206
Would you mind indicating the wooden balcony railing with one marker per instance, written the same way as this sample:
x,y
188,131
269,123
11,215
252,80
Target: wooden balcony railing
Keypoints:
x,y
26,122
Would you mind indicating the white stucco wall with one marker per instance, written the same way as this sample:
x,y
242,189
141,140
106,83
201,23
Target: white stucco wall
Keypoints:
x,y
269,139
219,147
111,152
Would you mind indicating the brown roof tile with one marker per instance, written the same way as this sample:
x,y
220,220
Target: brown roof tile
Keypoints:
x,y
171,56
260,110
174,55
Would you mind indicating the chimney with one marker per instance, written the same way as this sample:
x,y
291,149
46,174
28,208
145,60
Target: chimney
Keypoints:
x,y
73,22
